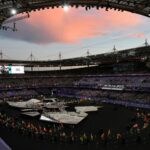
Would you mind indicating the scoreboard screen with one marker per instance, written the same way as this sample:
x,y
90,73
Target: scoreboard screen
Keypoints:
x,y
9,69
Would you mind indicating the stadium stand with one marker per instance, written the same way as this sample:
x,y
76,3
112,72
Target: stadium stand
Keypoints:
x,y
124,80
113,85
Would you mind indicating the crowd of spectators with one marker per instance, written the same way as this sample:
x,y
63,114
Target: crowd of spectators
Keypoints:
x,y
114,87
31,82
137,97
128,81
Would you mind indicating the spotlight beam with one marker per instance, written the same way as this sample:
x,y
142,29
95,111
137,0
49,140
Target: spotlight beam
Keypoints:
x,y
16,19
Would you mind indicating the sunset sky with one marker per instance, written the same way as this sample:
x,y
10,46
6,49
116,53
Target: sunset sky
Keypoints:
x,y
48,32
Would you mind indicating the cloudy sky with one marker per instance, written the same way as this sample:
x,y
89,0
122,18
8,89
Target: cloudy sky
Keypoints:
x,y
48,32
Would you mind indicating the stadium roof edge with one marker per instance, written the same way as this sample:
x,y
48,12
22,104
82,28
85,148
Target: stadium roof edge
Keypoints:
x,y
141,7
143,51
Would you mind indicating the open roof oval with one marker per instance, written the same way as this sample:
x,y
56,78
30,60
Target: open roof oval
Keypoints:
x,y
141,7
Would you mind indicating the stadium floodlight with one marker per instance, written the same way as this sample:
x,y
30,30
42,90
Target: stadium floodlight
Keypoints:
x,y
13,11
66,7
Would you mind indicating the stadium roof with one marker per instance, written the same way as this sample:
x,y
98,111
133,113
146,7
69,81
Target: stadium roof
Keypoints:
x,y
132,55
9,8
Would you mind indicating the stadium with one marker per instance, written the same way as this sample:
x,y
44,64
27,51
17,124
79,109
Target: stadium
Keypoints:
x,y
99,101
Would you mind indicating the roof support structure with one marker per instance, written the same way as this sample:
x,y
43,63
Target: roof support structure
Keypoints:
x,y
141,7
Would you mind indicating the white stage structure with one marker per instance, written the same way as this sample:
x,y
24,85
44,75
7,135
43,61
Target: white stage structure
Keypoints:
x,y
32,103
86,108
64,117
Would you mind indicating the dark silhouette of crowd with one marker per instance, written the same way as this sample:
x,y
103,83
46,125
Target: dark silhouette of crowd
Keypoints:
x,y
137,131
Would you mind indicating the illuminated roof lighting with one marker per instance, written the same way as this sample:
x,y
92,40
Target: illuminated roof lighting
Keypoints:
x,y
13,11
66,8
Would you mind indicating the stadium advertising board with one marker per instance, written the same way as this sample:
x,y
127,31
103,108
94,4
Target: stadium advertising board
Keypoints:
x,y
11,69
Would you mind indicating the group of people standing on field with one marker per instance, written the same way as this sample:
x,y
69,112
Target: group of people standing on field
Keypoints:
x,y
138,130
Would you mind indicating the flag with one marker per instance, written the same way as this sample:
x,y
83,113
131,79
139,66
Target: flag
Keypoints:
x,y
135,126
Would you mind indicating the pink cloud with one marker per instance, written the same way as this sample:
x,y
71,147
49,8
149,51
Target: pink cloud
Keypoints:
x,y
127,35
137,35
58,26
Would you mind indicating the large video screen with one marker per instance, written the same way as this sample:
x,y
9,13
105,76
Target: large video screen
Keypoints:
x,y
9,69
